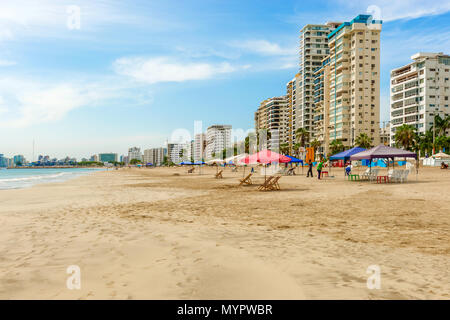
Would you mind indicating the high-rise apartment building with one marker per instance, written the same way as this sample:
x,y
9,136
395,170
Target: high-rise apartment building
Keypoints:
x,y
355,80
179,152
273,115
322,82
313,50
199,147
385,135
419,91
134,153
218,138
155,156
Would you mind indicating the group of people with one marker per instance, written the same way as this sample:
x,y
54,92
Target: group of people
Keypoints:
x,y
319,169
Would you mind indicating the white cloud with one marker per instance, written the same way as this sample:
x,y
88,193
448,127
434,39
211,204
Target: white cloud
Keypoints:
x,y
49,18
264,47
7,63
163,69
408,9
344,10
32,102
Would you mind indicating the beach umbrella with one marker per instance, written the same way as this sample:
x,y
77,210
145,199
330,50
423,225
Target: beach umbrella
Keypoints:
x,y
441,155
265,157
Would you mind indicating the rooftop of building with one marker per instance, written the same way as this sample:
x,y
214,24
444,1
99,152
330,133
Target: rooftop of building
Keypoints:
x,y
362,18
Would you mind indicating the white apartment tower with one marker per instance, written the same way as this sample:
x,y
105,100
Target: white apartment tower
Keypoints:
x,y
199,147
419,91
134,153
155,156
313,50
218,138
273,115
355,80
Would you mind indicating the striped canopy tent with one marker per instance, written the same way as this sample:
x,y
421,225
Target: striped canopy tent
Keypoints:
x,y
383,152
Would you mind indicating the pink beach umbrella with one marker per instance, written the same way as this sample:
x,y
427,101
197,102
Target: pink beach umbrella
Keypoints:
x,y
265,157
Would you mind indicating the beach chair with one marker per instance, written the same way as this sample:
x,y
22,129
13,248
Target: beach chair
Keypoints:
x,y
374,174
191,170
273,185
218,175
398,175
404,176
365,175
247,180
266,183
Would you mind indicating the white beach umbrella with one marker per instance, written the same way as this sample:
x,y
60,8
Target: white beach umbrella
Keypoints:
x,y
215,161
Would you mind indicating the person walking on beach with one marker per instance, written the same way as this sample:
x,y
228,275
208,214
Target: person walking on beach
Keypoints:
x,y
310,165
319,168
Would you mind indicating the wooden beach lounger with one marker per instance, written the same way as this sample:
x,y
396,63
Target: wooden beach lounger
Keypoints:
x,y
219,175
274,184
247,180
191,170
266,183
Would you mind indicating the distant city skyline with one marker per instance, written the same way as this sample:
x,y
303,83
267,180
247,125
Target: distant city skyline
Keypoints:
x,y
129,73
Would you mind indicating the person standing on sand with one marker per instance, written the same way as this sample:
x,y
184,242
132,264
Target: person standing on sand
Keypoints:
x,y
310,165
319,168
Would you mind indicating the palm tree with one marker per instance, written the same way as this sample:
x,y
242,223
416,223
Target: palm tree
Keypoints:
x,y
363,141
336,146
284,148
424,143
441,124
405,136
302,136
297,147
315,144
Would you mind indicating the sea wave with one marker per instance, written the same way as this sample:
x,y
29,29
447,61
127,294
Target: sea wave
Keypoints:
x,y
37,177
27,178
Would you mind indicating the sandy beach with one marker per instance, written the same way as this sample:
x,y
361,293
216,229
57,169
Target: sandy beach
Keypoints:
x,y
164,234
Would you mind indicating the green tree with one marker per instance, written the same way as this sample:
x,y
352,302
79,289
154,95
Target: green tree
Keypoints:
x,y
315,144
302,136
135,161
284,148
336,146
405,136
363,141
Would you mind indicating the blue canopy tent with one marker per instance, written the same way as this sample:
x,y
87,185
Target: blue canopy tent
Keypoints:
x,y
199,163
345,155
295,160
186,163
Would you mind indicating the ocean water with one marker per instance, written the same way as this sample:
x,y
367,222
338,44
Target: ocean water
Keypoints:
x,y
23,178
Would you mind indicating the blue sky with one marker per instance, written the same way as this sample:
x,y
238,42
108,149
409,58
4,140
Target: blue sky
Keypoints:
x,y
137,70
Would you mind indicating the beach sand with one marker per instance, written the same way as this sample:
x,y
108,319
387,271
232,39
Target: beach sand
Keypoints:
x,y
164,234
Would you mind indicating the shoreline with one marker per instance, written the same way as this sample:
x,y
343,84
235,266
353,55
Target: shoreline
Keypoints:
x,y
164,234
